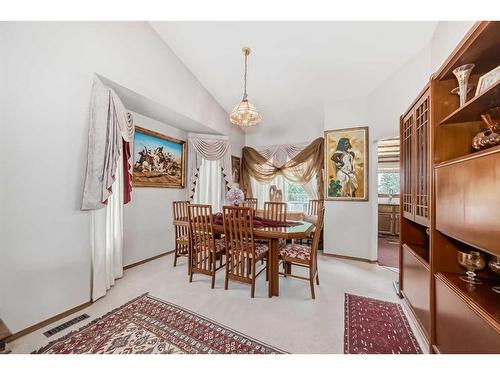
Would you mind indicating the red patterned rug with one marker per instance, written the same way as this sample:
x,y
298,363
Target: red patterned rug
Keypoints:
x,y
147,325
376,327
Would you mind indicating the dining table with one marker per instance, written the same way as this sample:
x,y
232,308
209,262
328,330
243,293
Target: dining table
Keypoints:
x,y
273,234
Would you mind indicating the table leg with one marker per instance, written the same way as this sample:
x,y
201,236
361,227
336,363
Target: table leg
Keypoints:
x,y
274,286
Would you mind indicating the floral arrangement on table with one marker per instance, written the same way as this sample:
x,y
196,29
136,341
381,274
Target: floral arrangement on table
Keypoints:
x,y
235,196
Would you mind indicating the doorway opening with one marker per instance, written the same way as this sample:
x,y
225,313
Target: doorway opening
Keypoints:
x,y
388,202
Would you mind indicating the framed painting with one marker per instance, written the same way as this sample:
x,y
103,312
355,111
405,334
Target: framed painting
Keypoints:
x,y
236,166
159,160
346,164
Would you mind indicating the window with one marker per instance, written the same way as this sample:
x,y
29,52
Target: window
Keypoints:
x,y
210,187
388,183
296,197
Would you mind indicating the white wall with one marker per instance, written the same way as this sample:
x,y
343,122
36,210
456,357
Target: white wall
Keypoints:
x,y
351,227
447,36
46,75
347,228
148,217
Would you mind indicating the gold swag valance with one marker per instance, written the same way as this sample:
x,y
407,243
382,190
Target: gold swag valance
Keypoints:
x,y
300,169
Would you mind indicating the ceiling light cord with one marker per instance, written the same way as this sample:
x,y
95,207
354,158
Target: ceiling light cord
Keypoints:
x,y
245,78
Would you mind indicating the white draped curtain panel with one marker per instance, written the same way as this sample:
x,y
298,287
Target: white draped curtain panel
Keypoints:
x,y
210,186
106,184
107,239
212,148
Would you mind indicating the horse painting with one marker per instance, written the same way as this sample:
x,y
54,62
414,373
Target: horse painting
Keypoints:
x,y
159,160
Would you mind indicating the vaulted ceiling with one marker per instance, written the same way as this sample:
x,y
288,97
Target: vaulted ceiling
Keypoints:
x,y
295,68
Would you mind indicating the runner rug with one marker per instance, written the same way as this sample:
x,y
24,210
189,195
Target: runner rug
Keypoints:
x,y
372,326
148,325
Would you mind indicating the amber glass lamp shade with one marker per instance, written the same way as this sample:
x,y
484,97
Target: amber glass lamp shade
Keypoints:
x,y
245,114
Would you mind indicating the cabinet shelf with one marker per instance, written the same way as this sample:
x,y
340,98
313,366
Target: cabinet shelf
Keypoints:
x,y
481,298
421,252
468,157
479,47
474,108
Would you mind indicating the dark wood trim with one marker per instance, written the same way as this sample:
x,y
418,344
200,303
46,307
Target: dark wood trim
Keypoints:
x,y
349,258
46,322
148,259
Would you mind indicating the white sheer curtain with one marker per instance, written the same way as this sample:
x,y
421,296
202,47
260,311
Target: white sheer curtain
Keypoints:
x,y
261,191
107,239
210,187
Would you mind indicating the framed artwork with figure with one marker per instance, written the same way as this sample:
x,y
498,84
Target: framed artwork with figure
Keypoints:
x,y
159,160
346,164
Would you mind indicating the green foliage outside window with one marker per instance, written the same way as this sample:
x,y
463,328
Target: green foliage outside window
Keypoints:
x,y
388,183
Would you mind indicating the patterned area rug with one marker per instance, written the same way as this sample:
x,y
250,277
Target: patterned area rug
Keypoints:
x,y
376,327
147,325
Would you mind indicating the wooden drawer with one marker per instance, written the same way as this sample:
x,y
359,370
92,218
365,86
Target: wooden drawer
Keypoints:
x,y
386,208
468,200
416,286
458,328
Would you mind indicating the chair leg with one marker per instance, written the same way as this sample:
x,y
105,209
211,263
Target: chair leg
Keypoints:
x,y
311,283
267,269
252,294
191,277
214,268
226,281
175,257
316,270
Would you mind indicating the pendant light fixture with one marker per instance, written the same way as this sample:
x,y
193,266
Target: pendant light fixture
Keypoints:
x,y
245,114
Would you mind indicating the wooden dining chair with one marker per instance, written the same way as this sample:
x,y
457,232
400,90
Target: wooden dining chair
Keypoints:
x,y
275,211
250,202
205,248
180,212
304,255
314,206
242,252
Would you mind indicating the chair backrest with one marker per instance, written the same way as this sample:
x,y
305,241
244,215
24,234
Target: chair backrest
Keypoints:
x,y
240,245
250,202
317,233
275,211
314,206
180,212
202,236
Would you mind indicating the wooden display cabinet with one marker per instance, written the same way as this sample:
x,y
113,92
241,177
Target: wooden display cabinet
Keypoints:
x,y
457,208
465,202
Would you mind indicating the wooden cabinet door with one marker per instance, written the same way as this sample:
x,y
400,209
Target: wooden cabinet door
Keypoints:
x,y
407,155
415,166
421,165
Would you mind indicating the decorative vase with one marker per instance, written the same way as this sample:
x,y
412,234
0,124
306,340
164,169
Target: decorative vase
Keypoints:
x,y
494,265
472,261
456,90
491,136
462,73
